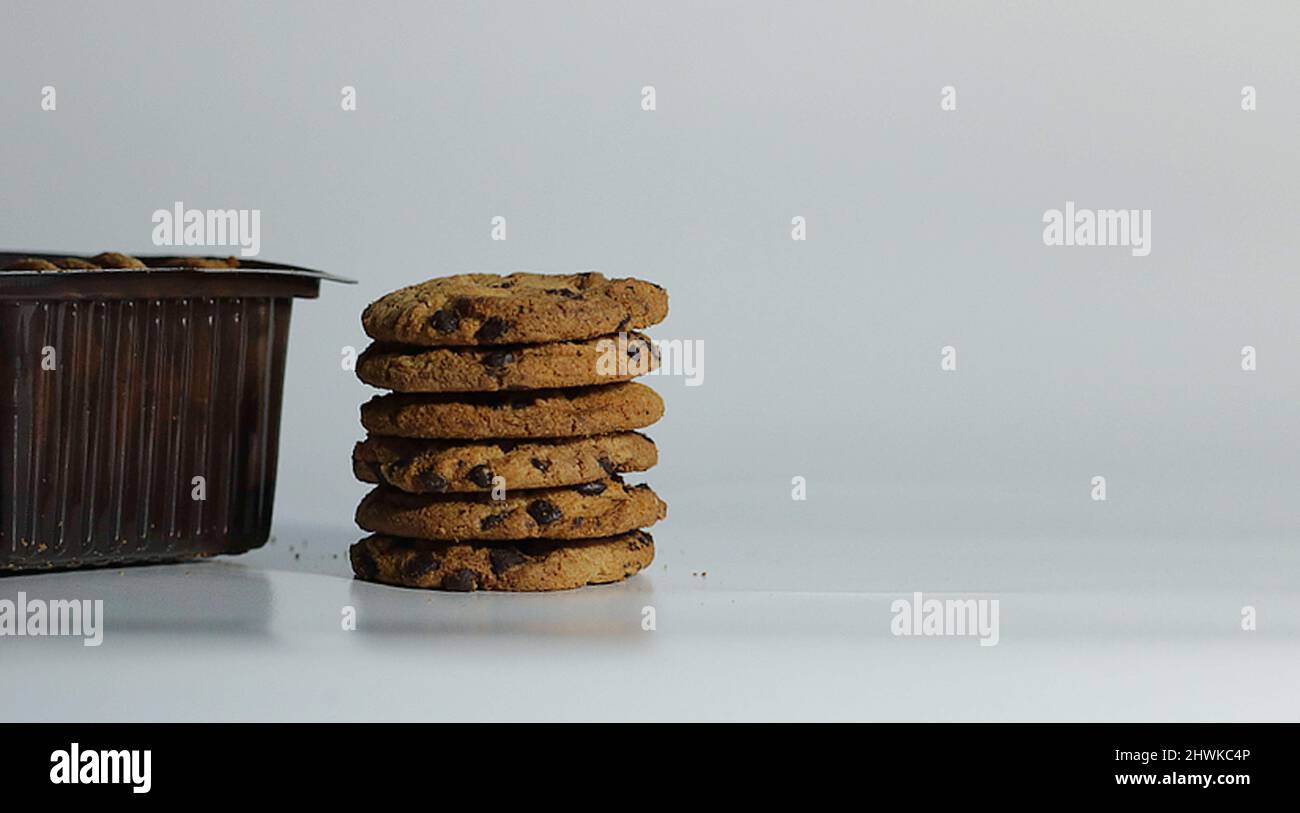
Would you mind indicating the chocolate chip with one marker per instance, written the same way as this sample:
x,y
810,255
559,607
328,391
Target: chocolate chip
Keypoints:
x,y
419,564
634,350
606,465
505,558
591,489
544,512
498,360
564,292
493,328
433,481
462,581
363,564
480,476
445,321
493,520
540,465
622,326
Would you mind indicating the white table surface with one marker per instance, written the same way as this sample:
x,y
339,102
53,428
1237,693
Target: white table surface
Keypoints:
x,y
1089,630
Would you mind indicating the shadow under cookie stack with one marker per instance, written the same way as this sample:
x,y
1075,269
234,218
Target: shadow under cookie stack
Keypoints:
x,y
511,415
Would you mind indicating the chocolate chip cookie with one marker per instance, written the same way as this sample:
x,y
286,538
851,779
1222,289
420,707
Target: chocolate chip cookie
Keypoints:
x,y
437,467
527,566
603,360
598,508
523,308
76,264
113,259
31,264
197,262
535,414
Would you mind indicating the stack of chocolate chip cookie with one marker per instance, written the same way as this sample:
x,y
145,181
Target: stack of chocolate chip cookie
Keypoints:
x,y
512,414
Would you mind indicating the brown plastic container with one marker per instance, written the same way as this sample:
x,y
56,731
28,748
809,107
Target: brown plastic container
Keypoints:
x,y
118,388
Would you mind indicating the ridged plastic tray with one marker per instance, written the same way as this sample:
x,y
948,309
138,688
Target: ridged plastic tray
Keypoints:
x,y
140,411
